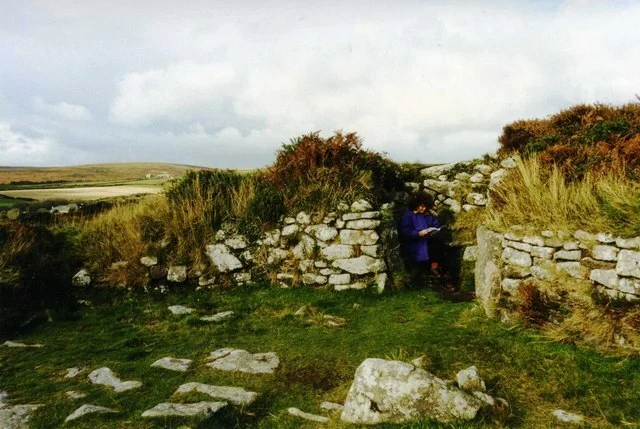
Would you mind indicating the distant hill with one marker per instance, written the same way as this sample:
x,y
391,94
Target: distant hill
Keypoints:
x,y
92,173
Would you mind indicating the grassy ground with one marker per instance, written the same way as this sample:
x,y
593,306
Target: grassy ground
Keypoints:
x,y
128,332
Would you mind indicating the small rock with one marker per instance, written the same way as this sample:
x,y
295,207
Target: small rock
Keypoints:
x,y
173,364
303,218
566,417
222,258
234,395
603,252
180,310
201,409
72,372
312,417
15,344
88,409
106,377
508,163
605,237
331,406
477,178
72,394
242,361
469,380
628,243
149,261
205,281
177,273
219,317
361,206
420,361
81,279
236,242
567,255
17,416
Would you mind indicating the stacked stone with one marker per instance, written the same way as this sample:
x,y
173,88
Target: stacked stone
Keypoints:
x,y
341,250
611,263
448,183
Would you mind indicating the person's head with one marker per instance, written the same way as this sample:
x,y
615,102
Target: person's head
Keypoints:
x,y
420,202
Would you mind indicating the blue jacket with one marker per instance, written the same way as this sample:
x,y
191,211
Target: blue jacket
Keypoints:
x,y
410,225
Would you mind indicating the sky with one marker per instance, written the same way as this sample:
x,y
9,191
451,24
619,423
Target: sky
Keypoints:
x,y
224,84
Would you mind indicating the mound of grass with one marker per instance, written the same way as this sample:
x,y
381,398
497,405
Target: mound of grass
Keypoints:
x,y
128,332
581,139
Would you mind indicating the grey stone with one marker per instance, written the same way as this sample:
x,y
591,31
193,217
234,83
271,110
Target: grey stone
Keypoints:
x,y
204,281
496,177
363,224
362,237
468,207
513,235
567,255
312,279
236,242
534,240
511,285
172,364
477,178
242,278
553,242
547,233
64,209
73,395
72,372
608,278
149,261
605,253
516,272
574,269
628,243
180,310
571,245
17,416
275,256
311,417
19,345
469,379
289,220
397,392
246,257
412,186
628,263
446,188
541,273
331,406
340,223
361,206
581,235
321,264
516,257
177,273
436,170
340,279
290,231
373,251
517,245
453,205
629,286
381,280
303,218
542,252
329,271
107,377
233,395
199,409
483,168
470,253
305,248
463,176
352,286
301,311
476,199
88,409
305,265
508,163
488,269
605,237
361,265
81,278
228,359
222,258
566,417
363,215
271,238
322,232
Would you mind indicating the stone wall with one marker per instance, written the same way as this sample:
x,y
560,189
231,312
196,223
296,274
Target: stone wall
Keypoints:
x,y
599,262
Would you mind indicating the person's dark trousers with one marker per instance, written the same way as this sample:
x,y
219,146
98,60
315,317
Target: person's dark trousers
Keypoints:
x,y
419,271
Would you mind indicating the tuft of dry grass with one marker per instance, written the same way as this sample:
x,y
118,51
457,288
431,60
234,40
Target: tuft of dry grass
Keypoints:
x,y
539,196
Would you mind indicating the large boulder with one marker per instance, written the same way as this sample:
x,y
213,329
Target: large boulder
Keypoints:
x,y
397,392
222,258
488,269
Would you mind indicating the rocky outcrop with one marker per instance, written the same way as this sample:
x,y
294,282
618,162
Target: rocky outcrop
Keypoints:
x,y
243,361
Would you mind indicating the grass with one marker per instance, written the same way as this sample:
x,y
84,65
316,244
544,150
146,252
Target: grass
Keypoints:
x,y
128,332
540,197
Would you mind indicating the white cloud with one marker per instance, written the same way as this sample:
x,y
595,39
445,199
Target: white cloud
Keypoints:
x,y
19,149
171,93
67,111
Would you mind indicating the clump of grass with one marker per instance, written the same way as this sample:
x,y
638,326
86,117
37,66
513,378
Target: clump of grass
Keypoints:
x,y
540,196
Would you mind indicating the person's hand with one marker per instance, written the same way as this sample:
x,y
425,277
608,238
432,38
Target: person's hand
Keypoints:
x,y
423,233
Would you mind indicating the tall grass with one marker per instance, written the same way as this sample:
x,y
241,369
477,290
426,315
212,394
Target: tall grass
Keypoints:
x,y
540,196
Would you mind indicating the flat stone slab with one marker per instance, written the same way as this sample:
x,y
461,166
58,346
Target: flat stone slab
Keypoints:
x,y
89,409
17,416
218,317
202,409
107,377
307,416
72,372
16,344
180,309
233,395
228,359
172,364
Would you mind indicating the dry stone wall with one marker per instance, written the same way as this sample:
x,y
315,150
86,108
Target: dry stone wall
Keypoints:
x,y
598,261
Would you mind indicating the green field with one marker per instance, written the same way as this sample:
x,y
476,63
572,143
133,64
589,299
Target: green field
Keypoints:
x,y
127,332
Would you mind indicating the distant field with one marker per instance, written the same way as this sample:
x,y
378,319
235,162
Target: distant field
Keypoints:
x,y
78,194
20,177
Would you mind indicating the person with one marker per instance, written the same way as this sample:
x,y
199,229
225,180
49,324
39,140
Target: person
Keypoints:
x,y
415,229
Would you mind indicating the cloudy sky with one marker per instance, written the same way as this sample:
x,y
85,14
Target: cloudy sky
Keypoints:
x,y
224,84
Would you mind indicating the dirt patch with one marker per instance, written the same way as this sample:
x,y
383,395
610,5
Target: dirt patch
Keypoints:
x,y
82,194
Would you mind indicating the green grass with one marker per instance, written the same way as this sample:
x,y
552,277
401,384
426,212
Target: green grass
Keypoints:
x,y
128,332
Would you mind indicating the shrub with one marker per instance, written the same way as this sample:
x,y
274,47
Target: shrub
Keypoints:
x,y
36,266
